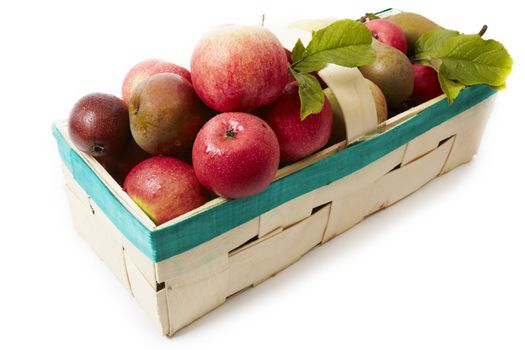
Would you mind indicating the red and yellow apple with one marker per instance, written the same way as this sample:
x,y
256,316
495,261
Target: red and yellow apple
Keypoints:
x,y
388,33
145,69
239,68
164,188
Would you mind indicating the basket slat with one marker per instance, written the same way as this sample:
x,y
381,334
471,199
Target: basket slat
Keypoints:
x,y
270,254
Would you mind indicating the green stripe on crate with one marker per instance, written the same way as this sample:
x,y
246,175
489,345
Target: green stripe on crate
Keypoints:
x,y
184,235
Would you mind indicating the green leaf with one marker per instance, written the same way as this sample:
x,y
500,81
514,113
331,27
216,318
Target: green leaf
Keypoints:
x,y
298,51
309,65
345,32
471,60
310,93
344,42
463,60
451,88
431,42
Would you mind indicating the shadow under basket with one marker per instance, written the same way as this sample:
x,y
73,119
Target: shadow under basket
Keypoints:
x,y
185,268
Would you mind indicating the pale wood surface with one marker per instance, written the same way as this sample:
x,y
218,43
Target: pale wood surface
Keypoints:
x,y
193,294
355,99
359,179
104,242
193,258
469,133
273,252
286,214
153,302
468,127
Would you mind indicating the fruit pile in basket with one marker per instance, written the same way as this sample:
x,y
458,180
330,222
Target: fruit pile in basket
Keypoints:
x,y
249,105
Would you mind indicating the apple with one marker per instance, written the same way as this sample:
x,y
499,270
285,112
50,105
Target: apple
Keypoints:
x,y
164,188
235,155
388,33
145,69
426,83
297,138
239,68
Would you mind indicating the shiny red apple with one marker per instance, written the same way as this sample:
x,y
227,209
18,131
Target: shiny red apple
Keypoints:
x,y
235,155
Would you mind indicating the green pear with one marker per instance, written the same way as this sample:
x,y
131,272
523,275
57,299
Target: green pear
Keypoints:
x,y
413,25
379,101
391,72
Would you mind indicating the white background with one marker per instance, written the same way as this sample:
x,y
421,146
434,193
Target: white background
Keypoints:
x,y
443,269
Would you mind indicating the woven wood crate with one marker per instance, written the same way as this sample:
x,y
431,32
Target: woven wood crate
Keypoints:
x,y
188,266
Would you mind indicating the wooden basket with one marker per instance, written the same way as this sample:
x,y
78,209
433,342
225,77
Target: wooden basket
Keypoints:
x,y
184,268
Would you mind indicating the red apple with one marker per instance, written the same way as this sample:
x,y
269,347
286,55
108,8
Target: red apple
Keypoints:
x,y
239,68
235,155
145,69
388,33
426,83
164,188
297,138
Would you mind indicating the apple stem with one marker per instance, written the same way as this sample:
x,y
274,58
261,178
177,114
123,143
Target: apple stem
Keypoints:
x,y
483,30
262,20
230,133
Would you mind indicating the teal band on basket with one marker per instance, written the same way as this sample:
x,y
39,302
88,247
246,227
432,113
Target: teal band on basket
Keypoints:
x,y
164,243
